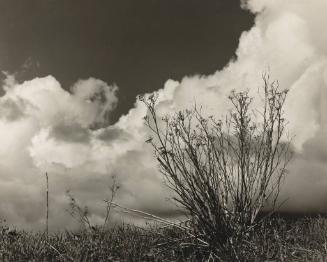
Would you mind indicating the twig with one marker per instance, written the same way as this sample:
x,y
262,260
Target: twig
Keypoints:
x,y
47,208
159,219
60,255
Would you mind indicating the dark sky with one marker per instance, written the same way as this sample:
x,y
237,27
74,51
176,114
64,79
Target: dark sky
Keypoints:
x,y
138,44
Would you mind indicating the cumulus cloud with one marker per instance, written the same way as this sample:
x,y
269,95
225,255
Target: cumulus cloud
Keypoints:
x,y
69,133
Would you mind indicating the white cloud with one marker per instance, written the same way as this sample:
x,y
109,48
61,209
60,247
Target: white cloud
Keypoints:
x,y
69,134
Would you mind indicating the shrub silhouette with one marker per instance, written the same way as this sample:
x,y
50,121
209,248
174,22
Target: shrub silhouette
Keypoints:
x,y
223,173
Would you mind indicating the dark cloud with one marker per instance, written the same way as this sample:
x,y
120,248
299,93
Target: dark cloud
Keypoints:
x,y
70,133
113,133
12,110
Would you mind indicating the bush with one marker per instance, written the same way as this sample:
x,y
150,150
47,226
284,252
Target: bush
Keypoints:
x,y
223,173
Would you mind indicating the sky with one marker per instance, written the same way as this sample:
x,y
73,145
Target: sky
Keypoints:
x,y
72,71
136,44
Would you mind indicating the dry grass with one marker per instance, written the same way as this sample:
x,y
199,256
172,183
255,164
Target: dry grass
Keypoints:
x,y
282,239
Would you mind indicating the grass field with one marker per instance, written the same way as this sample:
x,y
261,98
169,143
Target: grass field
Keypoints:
x,y
284,239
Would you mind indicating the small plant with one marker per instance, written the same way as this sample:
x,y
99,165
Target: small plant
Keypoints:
x,y
109,201
223,173
82,214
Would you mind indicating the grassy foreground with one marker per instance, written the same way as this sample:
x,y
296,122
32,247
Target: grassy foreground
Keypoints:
x,y
284,239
